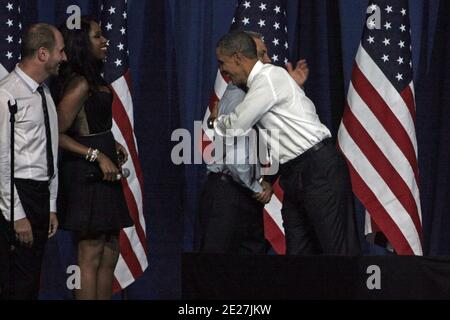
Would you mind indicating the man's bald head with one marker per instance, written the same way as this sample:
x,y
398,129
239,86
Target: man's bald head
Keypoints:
x,y
40,35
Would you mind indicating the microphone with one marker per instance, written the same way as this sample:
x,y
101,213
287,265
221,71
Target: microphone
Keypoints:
x,y
97,175
124,173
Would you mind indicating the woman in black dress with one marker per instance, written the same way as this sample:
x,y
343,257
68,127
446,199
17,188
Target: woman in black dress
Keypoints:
x,y
91,200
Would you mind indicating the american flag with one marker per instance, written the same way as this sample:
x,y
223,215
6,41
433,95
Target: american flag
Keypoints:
x,y
267,17
133,244
377,133
10,31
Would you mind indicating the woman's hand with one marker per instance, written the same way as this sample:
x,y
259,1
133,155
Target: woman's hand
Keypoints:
x,y
122,154
109,169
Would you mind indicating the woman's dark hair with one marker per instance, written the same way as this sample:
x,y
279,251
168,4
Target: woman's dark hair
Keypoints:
x,y
80,60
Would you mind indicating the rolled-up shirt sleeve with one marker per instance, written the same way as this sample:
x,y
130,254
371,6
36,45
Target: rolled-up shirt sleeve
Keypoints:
x,y
5,163
53,187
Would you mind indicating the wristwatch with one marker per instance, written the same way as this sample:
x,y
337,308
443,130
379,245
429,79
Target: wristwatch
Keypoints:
x,y
210,123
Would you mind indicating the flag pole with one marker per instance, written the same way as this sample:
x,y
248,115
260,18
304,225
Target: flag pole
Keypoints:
x,y
124,294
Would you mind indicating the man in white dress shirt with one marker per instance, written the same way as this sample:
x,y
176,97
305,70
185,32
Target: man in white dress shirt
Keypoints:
x,y
318,214
35,165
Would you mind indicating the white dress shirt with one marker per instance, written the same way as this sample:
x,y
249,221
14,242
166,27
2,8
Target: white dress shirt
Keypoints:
x,y
275,103
29,140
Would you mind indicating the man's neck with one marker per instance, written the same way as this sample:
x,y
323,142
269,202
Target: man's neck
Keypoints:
x,y
249,66
32,71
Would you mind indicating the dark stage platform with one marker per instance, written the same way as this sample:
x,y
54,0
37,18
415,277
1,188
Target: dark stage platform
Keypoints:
x,y
231,277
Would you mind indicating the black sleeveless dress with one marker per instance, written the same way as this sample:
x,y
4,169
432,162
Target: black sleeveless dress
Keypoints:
x,y
86,203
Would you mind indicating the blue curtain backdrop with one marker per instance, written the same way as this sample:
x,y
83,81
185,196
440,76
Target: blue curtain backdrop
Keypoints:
x,y
173,68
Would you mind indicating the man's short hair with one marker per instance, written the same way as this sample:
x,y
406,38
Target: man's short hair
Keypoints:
x,y
238,41
37,36
254,35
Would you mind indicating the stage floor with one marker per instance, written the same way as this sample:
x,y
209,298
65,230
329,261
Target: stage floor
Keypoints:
x,y
216,276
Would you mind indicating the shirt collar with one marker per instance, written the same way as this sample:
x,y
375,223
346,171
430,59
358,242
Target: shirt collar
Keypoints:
x,y
256,68
33,85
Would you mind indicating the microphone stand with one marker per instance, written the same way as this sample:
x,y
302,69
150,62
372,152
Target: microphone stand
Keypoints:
x,y
12,111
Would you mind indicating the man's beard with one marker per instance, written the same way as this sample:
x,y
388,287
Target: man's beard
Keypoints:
x,y
54,70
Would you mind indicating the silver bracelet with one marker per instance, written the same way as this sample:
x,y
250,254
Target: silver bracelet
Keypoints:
x,y
94,155
88,154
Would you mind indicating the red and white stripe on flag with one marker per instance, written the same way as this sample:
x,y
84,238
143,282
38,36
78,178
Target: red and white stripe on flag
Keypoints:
x,y
377,137
133,244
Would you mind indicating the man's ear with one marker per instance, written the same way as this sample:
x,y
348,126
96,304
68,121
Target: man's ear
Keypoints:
x,y
42,54
238,58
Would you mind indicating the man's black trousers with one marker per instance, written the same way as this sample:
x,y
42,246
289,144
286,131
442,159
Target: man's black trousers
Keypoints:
x,y
318,213
35,199
230,220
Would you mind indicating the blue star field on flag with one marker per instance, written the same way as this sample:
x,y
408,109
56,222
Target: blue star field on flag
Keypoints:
x,y
10,29
114,27
267,17
390,46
